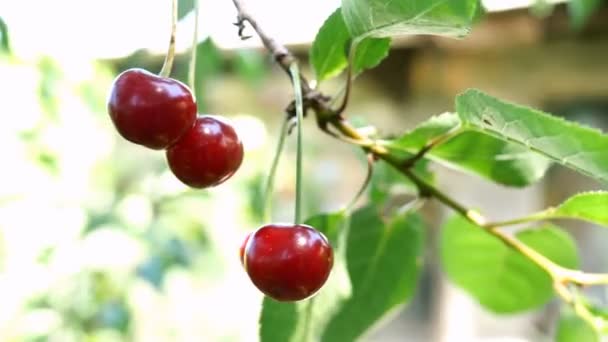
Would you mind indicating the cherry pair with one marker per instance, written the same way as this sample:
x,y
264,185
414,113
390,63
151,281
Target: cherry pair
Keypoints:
x,y
161,113
287,262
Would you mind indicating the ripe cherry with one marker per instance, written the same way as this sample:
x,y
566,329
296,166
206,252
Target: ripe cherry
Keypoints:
x,y
150,110
288,262
242,249
208,154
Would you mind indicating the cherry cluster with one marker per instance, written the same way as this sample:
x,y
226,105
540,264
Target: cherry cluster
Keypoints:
x,y
287,262
160,113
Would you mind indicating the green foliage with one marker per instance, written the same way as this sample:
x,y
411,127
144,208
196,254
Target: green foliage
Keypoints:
x,y
251,66
572,328
500,278
5,46
494,159
332,47
581,10
369,53
588,206
184,7
387,18
278,321
384,262
387,182
208,65
580,148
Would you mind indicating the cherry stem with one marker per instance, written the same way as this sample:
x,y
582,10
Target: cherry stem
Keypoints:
x,y
295,78
192,67
273,170
348,85
165,71
368,177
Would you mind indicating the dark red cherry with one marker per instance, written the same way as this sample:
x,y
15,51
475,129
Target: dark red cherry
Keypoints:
x,y
288,262
208,154
150,110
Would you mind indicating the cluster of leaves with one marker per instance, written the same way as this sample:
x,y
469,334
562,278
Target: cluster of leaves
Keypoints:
x,y
380,256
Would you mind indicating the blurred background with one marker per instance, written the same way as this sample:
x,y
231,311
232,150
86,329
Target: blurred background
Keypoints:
x,y
98,240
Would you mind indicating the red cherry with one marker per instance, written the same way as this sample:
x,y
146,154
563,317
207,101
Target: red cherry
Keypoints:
x,y
242,249
208,154
288,262
150,110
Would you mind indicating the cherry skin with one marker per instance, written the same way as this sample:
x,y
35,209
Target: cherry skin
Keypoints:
x,y
242,249
208,154
288,262
150,110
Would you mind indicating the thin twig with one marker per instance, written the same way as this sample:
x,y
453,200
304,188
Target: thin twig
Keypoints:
x,y
194,48
283,57
165,71
368,177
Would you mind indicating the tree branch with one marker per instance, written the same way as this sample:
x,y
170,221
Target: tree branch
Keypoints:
x,y
319,103
283,57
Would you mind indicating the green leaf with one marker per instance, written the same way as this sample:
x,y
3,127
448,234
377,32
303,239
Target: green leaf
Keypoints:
x,y
184,7
384,262
5,46
501,279
285,322
328,54
572,328
330,50
387,18
251,66
387,181
581,10
588,206
369,53
208,65
474,152
580,148
278,320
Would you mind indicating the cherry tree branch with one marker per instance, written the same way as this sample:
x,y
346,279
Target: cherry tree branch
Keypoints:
x,y
313,99
325,116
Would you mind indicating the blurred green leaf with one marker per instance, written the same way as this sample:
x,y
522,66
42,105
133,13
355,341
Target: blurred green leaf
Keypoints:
x,y
5,46
208,65
330,224
572,328
153,271
330,50
387,18
50,86
278,321
581,10
587,206
113,314
251,66
184,7
474,152
387,182
500,278
384,262
48,161
567,143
